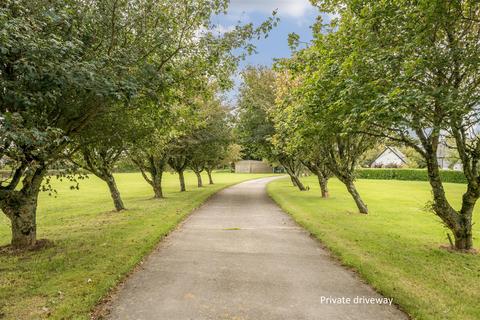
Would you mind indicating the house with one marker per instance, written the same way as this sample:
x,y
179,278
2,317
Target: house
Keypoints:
x,y
252,166
390,157
394,158
446,158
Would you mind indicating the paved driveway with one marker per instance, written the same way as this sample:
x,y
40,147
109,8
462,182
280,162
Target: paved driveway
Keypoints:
x,y
240,257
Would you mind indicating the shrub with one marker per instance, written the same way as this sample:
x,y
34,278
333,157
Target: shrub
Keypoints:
x,y
408,174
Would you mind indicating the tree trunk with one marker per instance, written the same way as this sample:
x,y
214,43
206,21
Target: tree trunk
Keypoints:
x,y
296,181
463,233
209,172
463,236
21,208
323,182
24,225
199,179
157,185
460,223
293,181
117,199
362,207
182,181
292,170
299,183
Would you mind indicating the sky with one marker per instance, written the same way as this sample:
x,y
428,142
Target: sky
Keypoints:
x,y
295,16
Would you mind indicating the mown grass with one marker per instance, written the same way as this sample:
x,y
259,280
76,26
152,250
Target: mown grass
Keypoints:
x,y
93,247
396,248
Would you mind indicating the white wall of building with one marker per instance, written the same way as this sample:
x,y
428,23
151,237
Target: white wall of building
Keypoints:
x,y
388,157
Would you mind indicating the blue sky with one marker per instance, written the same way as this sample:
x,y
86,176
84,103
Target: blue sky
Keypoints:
x,y
295,16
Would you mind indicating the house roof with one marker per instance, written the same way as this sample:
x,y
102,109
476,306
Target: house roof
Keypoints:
x,y
395,151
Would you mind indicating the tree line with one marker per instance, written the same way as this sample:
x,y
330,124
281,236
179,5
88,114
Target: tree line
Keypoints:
x,y
85,83
399,72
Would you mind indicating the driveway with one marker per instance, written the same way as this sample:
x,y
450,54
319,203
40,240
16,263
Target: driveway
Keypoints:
x,y
240,257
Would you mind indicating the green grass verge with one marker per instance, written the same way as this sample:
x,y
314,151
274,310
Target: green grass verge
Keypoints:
x,y
93,247
396,247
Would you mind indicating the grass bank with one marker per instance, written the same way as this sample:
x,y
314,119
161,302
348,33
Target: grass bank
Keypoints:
x,y
396,247
93,247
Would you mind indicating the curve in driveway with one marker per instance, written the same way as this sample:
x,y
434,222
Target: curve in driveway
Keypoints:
x,y
240,257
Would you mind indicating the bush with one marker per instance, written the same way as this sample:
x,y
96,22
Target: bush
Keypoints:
x,y
409,175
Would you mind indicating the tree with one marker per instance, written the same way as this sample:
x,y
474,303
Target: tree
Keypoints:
x,y
186,146
421,63
255,126
219,143
149,150
210,140
179,158
232,155
62,64
324,106
317,165
293,166
287,137
180,145
52,86
203,59
155,130
99,147
152,161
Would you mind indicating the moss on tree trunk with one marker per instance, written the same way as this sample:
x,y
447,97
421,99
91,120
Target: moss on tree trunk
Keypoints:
x,y
20,206
24,225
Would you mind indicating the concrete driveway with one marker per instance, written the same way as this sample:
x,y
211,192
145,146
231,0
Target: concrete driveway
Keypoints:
x,y
240,257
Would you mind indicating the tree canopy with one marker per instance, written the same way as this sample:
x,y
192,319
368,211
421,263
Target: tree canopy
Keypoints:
x,y
403,71
72,72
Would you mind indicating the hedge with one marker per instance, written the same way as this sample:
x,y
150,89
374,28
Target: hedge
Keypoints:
x,y
409,174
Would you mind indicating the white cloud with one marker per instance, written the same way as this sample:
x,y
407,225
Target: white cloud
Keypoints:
x,y
292,8
221,29
218,30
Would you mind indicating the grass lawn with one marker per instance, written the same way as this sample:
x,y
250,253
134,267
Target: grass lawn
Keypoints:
x,y
396,247
93,247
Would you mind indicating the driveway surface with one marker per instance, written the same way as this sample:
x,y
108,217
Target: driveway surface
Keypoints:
x,y
240,257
